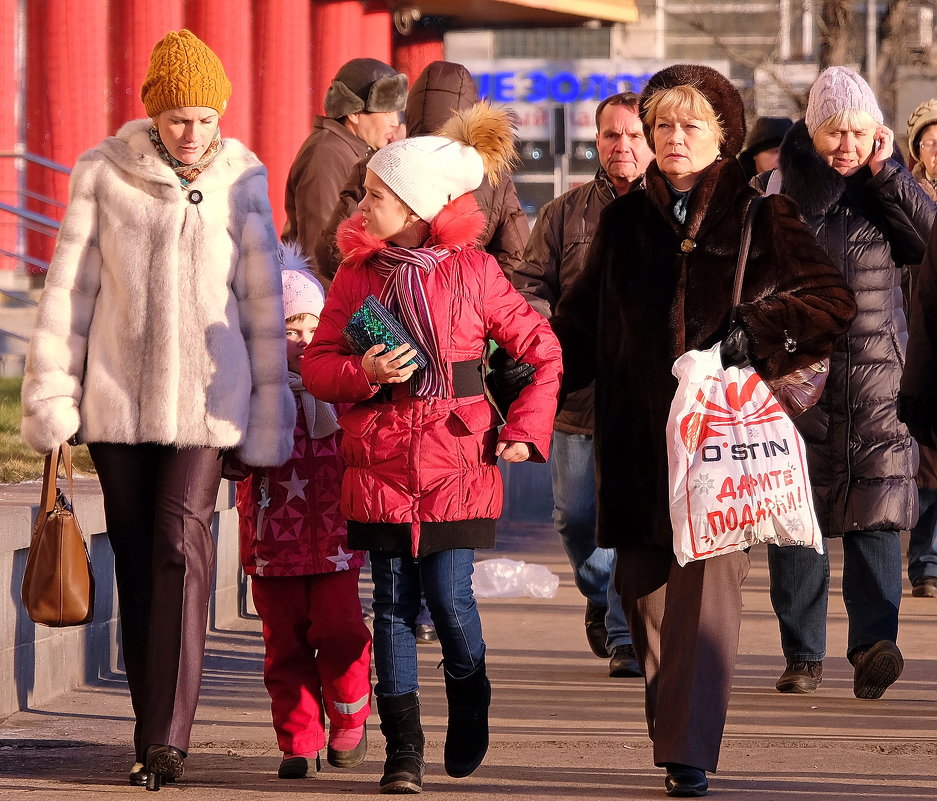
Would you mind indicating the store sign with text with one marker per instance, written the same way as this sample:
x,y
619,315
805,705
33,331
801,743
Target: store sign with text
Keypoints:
x,y
533,86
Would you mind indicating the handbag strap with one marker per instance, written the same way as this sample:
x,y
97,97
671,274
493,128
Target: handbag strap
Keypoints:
x,y
750,213
50,475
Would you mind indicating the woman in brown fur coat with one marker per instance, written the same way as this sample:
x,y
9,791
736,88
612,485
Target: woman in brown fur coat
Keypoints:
x,y
659,283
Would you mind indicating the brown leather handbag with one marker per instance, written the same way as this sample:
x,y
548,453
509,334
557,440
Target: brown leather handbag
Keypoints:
x,y
58,583
799,389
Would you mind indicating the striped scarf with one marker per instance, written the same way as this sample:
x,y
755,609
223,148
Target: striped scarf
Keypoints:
x,y
186,173
405,296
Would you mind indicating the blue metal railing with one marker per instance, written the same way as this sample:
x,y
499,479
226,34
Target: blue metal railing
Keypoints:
x,y
26,219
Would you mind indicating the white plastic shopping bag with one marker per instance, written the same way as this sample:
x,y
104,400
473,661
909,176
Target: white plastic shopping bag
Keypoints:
x,y
738,466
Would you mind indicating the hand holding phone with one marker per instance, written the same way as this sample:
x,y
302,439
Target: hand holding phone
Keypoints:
x,y
882,148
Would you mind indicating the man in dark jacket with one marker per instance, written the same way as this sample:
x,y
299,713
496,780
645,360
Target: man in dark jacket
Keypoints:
x,y
362,107
441,89
554,258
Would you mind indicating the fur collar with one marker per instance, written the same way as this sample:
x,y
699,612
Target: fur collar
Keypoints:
x,y
715,195
807,178
458,225
131,151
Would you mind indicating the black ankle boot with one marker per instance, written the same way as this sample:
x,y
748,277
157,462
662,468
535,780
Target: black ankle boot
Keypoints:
x,y
467,733
400,725
163,764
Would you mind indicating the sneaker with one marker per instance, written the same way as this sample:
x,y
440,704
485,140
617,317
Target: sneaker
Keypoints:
x,y
624,663
596,633
347,747
877,668
800,677
924,587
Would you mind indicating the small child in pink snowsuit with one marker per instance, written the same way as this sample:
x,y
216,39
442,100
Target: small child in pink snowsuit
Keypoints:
x,y
304,579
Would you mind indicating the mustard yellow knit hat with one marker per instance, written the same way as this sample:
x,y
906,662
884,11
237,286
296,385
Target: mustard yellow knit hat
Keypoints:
x,y
184,71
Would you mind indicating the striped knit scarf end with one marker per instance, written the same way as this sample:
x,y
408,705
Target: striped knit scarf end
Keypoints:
x,y
405,295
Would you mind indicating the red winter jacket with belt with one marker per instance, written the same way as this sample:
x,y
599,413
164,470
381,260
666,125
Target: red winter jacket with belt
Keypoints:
x,y
421,473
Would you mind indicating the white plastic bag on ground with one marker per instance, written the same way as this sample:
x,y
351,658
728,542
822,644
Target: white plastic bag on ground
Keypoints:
x,y
738,466
505,578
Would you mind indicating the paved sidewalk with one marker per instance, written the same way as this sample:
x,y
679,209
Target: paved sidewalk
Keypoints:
x,y
560,727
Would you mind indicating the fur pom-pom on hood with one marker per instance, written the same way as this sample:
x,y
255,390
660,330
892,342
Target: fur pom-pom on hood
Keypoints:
x,y
291,257
458,225
489,131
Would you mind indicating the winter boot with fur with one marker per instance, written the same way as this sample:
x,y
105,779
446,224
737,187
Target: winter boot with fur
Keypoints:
x,y
467,733
400,725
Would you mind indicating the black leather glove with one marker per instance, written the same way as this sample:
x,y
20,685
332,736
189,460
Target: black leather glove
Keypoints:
x,y
506,379
916,415
734,349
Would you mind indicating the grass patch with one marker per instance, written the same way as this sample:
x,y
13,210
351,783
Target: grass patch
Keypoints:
x,y
19,462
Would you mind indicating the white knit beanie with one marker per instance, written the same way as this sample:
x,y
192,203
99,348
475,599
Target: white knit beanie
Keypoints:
x,y
428,172
839,89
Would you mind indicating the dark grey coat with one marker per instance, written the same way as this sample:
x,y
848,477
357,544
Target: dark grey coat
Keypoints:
x,y
862,459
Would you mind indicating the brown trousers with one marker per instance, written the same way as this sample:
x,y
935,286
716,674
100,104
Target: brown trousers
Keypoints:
x,y
158,504
685,625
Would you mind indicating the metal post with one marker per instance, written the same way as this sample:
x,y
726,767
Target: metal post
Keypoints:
x,y
806,31
784,52
19,114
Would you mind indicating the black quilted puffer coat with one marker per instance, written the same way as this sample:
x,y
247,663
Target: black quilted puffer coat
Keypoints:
x,y
862,459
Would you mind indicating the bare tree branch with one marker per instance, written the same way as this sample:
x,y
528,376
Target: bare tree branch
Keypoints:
x,y
835,18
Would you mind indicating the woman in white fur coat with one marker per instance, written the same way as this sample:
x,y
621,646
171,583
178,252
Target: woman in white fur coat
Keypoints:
x,y
160,343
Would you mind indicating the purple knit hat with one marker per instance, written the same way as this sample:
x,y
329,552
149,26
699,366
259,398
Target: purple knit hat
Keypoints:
x,y
839,89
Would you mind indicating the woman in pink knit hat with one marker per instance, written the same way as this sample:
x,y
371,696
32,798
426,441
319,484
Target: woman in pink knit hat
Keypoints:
x,y
871,217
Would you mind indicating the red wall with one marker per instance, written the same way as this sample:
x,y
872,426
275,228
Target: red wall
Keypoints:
x,y
225,26
281,90
280,55
139,25
9,130
66,97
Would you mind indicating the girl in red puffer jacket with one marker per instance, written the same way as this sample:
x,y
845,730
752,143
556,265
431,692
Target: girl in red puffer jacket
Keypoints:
x,y
422,488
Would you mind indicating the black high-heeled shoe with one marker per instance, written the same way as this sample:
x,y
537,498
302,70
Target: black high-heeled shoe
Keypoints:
x,y
138,775
164,763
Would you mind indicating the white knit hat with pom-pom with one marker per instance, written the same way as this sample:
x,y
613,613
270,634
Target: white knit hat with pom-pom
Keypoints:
x,y
429,172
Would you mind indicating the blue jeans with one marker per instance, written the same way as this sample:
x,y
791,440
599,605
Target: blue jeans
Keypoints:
x,y
572,468
800,581
922,550
446,580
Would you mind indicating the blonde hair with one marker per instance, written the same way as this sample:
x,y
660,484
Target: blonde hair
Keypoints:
x,y
849,119
688,100
298,318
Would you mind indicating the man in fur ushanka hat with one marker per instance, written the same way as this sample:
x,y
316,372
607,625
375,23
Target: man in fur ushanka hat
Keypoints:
x,y
362,111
